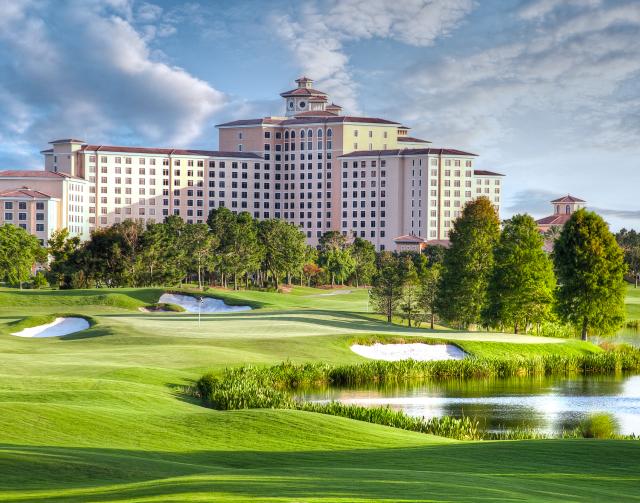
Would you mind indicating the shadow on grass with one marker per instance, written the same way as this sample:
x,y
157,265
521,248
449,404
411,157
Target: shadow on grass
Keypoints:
x,y
487,471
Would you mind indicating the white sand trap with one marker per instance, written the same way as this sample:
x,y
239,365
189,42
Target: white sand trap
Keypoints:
x,y
416,351
192,304
58,327
336,292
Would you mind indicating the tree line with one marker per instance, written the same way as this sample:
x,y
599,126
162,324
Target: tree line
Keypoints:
x,y
489,276
502,278
231,250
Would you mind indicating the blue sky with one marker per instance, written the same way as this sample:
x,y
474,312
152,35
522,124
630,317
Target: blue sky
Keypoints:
x,y
545,91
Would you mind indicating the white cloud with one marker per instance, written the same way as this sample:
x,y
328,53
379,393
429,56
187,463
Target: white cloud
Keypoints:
x,y
316,35
109,86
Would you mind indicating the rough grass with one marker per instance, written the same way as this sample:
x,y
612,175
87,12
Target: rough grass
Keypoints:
x,y
100,418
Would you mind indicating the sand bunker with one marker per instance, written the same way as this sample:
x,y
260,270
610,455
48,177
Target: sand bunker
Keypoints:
x,y
57,328
416,351
193,305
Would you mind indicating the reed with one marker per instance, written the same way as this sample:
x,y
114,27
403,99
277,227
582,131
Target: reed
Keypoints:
x,y
250,387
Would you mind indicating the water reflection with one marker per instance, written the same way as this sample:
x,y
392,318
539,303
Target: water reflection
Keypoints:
x,y
548,404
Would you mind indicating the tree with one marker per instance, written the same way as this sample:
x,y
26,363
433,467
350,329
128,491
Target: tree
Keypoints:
x,y
409,302
284,247
629,241
65,252
19,253
521,289
330,244
363,253
590,268
199,243
434,254
429,289
340,264
468,263
386,292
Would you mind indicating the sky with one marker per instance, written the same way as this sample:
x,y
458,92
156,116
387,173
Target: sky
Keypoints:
x,y
546,92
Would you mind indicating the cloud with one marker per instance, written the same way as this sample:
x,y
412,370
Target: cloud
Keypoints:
x,y
533,201
111,86
316,34
621,214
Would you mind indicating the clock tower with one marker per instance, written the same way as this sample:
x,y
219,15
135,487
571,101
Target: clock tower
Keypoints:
x,y
304,98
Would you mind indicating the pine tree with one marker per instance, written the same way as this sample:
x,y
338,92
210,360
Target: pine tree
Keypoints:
x,y
468,263
590,268
386,292
522,285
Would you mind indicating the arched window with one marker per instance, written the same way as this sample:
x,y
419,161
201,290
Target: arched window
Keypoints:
x,y
568,209
309,133
302,133
319,133
557,209
329,133
293,134
286,135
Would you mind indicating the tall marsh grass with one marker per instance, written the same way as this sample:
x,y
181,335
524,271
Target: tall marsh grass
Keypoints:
x,y
250,387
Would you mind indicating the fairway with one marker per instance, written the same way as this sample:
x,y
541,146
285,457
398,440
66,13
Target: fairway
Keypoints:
x,y
100,415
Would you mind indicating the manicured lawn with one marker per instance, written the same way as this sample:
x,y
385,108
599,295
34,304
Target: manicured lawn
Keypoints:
x,y
633,303
100,416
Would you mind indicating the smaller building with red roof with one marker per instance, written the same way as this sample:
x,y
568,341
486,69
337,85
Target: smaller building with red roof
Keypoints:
x,y
563,208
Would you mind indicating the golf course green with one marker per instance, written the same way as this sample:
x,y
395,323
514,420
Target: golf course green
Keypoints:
x,y
101,415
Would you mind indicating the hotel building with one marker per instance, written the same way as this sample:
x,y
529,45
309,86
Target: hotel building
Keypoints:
x,y
313,166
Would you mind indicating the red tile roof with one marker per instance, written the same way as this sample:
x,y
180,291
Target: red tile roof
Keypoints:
x,y
568,199
407,151
412,139
316,113
34,173
306,120
560,219
481,172
409,238
24,192
302,91
168,151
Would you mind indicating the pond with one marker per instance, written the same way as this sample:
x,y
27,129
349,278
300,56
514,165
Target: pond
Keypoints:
x,y
547,404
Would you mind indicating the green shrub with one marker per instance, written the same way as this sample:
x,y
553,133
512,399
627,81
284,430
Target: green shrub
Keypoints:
x,y
599,425
40,280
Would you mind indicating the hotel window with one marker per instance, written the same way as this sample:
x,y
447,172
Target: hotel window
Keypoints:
x,y
355,133
240,147
22,216
190,163
39,206
457,162
240,136
127,160
152,162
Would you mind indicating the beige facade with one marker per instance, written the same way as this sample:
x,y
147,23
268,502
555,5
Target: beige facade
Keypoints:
x,y
67,198
314,167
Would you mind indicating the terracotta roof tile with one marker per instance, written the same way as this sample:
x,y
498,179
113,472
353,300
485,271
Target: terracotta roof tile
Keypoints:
x,y
406,152
168,151
560,219
568,199
409,238
35,173
25,192
302,91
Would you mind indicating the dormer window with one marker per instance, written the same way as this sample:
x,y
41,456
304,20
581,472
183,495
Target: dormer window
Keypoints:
x,y
568,209
302,104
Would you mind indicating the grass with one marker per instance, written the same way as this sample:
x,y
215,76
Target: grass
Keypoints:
x,y
632,303
98,416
